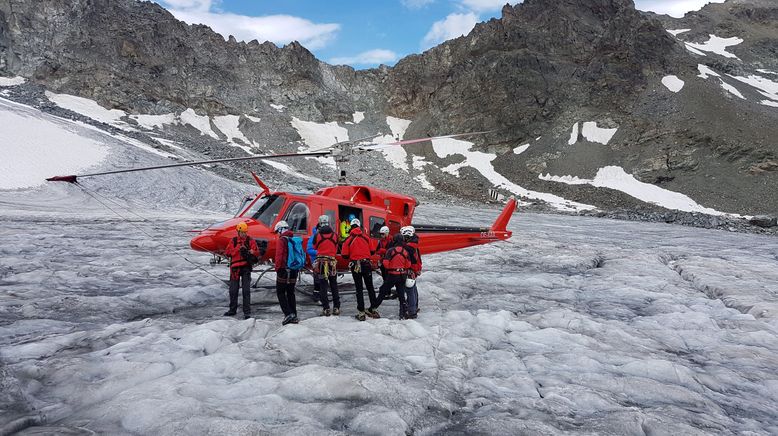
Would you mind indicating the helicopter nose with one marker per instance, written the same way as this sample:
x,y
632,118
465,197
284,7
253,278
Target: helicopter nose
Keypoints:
x,y
205,243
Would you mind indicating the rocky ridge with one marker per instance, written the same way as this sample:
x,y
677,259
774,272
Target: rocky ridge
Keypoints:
x,y
533,74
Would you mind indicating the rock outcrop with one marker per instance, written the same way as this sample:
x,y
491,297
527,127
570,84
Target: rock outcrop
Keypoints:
x,y
539,75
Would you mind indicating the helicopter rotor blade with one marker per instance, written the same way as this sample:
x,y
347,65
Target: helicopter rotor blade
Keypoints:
x,y
74,178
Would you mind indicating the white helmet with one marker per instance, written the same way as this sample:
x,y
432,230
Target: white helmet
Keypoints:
x,y
384,230
407,231
281,226
324,220
355,222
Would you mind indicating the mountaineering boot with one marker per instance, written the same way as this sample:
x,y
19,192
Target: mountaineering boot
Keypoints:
x,y
372,313
336,311
295,320
325,312
247,316
228,313
360,316
287,320
408,316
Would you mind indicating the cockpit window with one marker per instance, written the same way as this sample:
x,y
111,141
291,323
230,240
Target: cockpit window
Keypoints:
x,y
265,209
297,217
246,201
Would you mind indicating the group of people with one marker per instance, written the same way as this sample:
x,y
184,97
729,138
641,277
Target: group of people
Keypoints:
x,y
397,257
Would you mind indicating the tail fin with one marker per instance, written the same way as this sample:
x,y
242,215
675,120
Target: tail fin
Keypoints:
x,y
501,223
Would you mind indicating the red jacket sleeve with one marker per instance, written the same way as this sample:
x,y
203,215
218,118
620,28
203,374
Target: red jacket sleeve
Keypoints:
x,y
254,247
231,249
344,249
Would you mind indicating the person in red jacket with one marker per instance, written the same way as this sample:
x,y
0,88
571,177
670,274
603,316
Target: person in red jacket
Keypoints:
x,y
356,249
325,265
239,250
383,245
285,278
397,264
412,246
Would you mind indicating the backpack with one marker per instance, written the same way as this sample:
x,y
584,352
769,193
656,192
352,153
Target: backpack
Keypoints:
x,y
391,256
245,251
332,238
295,259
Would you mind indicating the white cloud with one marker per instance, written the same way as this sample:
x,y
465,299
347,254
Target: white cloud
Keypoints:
x,y
674,8
416,4
280,29
486,5
370,57
190,5
452,26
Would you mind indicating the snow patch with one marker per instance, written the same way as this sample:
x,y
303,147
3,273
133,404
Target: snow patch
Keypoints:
x,y
422,179
767,87
86,107
12,81
694,50
520,149
676,32
766,72
293,171
199,122
593,133
673,83
36,146
395,154
152,122
398,126
318,136
573,135
481,162
419,162
769,103
717,45
253,119
230,126
706,72
358,117
278,107
615,177
731,89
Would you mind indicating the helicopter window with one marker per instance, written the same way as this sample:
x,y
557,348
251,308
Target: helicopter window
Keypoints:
x,y
406,210
375,226
297,217
246,200
265,210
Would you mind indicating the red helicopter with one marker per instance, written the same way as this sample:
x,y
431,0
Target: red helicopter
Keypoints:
x,y
374,207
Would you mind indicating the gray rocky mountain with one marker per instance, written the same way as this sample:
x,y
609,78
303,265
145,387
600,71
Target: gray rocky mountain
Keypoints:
x,y
549,74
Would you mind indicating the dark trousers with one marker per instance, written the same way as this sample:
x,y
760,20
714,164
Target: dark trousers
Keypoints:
x,y
238,275
331,284
365,275
412,295
285,281
396,281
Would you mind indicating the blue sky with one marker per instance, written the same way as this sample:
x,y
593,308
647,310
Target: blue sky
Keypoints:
x,y
359,33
